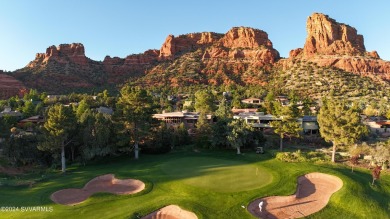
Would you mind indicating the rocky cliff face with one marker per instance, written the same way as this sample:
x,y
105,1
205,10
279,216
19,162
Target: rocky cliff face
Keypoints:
x,y
327,37
64,53
184,43
9,86
243,55
186,59
243,43
334,44
245,37
237,43
212,58
132,66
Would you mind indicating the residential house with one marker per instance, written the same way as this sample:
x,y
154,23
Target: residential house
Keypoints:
x,y
9,112
174,119
309,125
253,101
36,120
283,100
257,119
247,110
378,125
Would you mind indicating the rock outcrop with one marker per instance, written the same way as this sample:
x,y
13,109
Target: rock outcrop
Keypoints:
x,y
244,37
64,53
327,37
243,43
133,65
9,86
334,44
188,42
242,55
237,43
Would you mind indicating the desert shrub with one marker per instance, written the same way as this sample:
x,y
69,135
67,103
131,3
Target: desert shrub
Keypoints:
x,y
299,156
296,156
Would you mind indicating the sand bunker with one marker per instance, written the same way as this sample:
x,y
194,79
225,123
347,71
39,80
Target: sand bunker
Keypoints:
x,y
313,193
105,183
171,212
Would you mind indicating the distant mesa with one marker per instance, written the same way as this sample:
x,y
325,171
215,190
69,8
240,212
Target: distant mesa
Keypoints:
x,y
64,53
240,56
237,43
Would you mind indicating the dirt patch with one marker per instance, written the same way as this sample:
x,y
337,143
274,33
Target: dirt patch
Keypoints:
x,y
171,212
313,194
105,183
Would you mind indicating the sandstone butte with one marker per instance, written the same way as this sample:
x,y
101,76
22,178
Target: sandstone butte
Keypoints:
x,y
334,44
328,43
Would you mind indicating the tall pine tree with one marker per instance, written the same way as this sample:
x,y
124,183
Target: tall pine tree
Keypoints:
x,y
340,124
59,125
134,110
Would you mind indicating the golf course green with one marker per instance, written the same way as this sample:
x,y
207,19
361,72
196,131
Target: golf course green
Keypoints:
x,y
219,175
212,184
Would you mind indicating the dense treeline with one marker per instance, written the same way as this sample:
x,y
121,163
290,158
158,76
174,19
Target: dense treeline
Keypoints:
x,y
75,130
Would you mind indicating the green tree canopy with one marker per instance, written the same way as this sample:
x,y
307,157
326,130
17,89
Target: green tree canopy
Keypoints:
x,y
340,123
224,110
134,110
288,126
239,133
204,101
59,125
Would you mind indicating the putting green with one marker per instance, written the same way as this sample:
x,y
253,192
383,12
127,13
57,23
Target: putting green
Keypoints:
x,y
217,174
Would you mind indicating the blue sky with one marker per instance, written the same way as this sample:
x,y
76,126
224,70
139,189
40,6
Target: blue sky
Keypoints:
x,y
120,28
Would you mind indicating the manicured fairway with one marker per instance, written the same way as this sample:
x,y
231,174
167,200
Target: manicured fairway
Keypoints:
x,y
219,175
186,179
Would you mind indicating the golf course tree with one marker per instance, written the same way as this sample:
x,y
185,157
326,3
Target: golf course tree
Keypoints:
x,y
134,112
376,172
95,132
203,131
220,127
204,101
239,134
59,130
204,105
340,123
288,125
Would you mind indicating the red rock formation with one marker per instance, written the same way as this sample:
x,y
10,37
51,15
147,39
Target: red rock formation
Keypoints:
x,y
174,45
9,86
133,65
245,44
327,37
63,54
334,44
295,52
244,37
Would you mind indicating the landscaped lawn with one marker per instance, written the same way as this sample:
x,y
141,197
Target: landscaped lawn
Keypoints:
x,y
211,184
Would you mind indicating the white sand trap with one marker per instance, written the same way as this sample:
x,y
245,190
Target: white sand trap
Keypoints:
x,y
105,183
171,212
313,194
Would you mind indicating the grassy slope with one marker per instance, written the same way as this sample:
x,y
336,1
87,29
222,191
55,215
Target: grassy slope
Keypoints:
x,y
357,199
